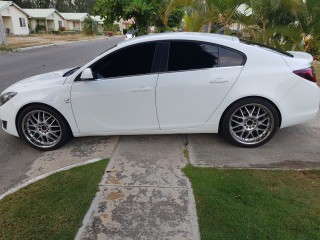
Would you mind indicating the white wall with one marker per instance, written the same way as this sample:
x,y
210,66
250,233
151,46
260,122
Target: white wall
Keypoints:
x,y
14,13
70,26
57,18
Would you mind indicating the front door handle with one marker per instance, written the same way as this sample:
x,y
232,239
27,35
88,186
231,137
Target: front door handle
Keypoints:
x,y
142,89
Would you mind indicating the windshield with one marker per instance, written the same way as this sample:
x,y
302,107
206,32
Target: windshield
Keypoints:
x,y
266,47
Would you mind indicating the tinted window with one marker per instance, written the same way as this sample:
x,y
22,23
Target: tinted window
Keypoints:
x,y
133,60
192,55
230,58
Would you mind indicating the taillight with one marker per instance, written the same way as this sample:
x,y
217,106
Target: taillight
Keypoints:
x,y
307,73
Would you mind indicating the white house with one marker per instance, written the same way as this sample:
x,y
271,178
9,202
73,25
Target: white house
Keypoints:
x,y
15,20
49,18
74,21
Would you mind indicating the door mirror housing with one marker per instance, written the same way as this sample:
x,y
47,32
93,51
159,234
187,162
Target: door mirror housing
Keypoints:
x,y
87,74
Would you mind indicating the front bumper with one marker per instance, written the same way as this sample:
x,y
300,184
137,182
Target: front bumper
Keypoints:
x,y
8,115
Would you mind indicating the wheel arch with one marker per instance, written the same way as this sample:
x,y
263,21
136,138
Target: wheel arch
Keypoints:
x,y
45,105
248,97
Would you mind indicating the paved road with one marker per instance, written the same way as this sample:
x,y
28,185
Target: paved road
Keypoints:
x,y
15,155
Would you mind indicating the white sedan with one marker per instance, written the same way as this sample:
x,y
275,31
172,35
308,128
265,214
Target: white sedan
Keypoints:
x,y
167,84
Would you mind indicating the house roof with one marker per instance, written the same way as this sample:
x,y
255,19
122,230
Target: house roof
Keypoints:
x,y
5,4
75,16
41,12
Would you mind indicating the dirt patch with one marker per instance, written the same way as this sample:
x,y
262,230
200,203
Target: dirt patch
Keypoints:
x,y
43,39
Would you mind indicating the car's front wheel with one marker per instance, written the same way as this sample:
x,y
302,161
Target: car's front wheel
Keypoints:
x,y
250,122
43,127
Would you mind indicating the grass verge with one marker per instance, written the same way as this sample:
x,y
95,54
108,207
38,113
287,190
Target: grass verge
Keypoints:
x,y
52,208
6,49
256,204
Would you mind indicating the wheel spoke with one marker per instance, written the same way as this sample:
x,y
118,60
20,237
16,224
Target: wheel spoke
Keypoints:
x,y
254,107
241,112
239,123
236,116
247,111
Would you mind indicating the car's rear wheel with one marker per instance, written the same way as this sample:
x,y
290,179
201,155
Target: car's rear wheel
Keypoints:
x,y
43,127
250,122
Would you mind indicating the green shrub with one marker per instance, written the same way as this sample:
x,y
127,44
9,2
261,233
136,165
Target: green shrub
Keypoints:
x,y
40,28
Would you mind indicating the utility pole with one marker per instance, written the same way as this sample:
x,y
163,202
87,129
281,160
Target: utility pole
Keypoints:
x,y
3,33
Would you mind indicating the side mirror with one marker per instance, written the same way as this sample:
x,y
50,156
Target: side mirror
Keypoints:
x,y
87,74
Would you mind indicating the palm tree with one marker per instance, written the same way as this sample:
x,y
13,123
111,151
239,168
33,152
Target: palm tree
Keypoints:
x,y
90,27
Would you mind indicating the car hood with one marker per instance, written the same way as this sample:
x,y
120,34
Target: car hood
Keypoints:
x,y
46,79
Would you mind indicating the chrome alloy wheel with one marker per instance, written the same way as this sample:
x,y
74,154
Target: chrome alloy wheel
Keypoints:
x,y
251,124
41,129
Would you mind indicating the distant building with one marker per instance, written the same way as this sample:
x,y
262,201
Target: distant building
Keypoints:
x,y
15,19
74,21
47,18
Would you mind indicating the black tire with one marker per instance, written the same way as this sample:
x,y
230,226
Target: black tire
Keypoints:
x,y
43,128
242,126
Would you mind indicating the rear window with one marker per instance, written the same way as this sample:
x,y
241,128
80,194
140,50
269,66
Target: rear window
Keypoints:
x,y
275,50
230,58
193,55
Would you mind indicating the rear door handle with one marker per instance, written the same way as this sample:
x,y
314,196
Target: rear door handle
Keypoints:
x,y
219,81
142,89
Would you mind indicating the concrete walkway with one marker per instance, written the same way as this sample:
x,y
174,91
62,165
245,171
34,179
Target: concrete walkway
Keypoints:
x,y
144,195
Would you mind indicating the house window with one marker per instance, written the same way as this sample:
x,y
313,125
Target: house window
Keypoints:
x,y
22,22
74,24
60,24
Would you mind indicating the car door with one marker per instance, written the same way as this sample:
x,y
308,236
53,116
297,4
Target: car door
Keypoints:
x,y
122,96
199,75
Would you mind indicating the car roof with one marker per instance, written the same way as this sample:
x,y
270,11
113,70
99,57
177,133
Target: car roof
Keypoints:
x,y
180,36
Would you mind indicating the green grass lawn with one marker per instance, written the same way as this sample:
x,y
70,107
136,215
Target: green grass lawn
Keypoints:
x,y
52,208
256,204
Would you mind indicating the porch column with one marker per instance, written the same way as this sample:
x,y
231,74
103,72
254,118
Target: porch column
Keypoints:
x,y
3,33
46,22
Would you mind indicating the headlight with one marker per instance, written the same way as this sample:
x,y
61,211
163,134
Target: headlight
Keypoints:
x,y
5,97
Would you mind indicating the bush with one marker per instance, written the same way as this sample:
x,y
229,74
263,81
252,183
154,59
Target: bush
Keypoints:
x,y
90,27
40,28
55,32
62,29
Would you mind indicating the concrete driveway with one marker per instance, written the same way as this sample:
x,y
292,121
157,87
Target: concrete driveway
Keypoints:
x,y
296,147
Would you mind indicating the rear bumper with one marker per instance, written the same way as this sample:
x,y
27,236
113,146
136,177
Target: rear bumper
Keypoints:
x,y
300,104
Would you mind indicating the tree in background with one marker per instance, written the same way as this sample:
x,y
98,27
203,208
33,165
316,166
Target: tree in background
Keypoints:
x,y
145,13
85,6
90,27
